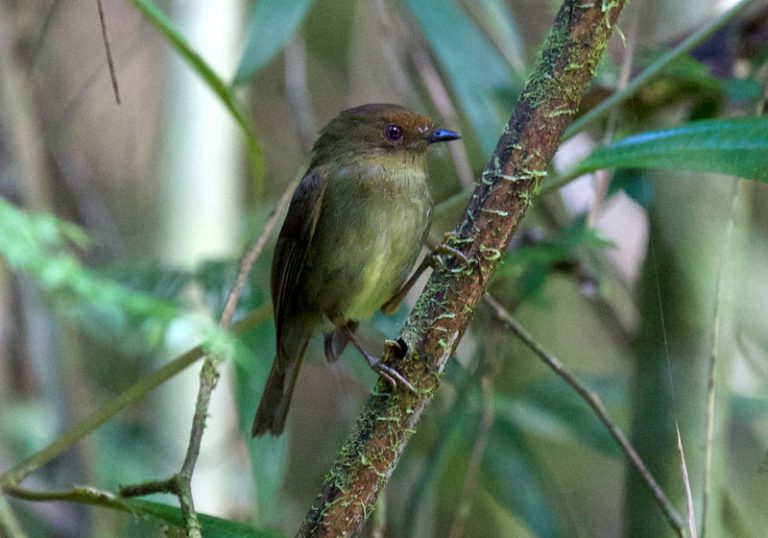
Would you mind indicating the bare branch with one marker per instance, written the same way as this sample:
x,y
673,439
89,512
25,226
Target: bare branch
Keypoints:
x,y
108,50
594,401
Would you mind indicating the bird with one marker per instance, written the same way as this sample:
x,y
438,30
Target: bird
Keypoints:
x,y
351,236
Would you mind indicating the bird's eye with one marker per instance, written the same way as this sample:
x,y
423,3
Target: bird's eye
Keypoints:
x,y
393,133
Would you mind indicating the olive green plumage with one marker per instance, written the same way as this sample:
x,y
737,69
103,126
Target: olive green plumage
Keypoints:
x,y
352,234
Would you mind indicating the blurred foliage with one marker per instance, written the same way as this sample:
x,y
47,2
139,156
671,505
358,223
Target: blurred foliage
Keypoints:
x,y
270,27
83,319
476,71
39,246
571,251
166,27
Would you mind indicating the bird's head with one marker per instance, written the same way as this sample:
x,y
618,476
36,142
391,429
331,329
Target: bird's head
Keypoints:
x,y
378,129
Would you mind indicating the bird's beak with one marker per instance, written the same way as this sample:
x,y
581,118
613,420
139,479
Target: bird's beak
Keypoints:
x,y
442,135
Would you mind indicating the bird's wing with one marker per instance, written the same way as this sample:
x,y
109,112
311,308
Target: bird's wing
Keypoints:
x,y
292,247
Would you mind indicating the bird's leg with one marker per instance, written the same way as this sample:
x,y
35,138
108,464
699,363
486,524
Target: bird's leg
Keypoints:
x,y
433,260
377,365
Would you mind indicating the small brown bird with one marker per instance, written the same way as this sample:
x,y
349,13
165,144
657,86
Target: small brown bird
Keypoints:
x,y
352,235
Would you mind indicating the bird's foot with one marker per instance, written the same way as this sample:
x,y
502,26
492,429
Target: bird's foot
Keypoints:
x,y
392,376
437,259
395,348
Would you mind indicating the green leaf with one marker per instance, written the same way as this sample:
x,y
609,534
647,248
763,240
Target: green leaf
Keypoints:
x,y
268,454
556,412
38,246
213,527
633,183
736,147
271,25
512,474
161,282
499,22
566,244
571,250
477,72
748,406
741,89
165,26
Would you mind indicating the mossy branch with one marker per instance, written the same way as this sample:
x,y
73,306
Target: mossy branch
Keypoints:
x,y
507,187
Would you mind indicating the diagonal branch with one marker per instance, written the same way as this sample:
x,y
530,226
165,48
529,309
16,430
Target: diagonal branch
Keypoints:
x,y
594,401
439,319
108,50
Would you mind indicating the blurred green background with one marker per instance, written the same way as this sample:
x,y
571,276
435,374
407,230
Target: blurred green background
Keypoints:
x,y
120,228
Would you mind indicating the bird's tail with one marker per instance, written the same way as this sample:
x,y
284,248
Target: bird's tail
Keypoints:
x,y
273,407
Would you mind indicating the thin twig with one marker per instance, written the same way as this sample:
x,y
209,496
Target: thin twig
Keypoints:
x,y
690,518
145,385
594,401
690,513
99,417
106,411
180,483
80,494
87,495
475,459
252,254
713,353
9,527
108,50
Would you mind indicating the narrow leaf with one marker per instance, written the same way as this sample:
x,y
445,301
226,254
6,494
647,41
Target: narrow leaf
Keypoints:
x,y
165,26
271,25
268,454
37,245
501,26
553,411
735,147
515,477
212,527
476,71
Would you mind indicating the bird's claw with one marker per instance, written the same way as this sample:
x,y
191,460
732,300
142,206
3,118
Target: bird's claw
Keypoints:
x,y
436,258
392,376
398,348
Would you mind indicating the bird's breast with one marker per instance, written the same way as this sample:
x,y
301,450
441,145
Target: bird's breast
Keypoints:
x,y
375,221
